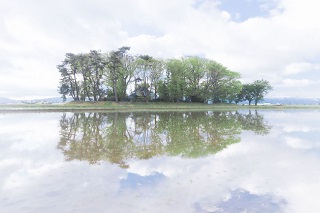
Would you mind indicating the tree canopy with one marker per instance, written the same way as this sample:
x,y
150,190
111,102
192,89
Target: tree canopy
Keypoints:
x,y
120,76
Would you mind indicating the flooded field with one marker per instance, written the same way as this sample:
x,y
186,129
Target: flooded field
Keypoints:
x,y
207,161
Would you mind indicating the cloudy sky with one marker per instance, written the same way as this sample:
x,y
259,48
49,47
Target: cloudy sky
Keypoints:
x,y
276,40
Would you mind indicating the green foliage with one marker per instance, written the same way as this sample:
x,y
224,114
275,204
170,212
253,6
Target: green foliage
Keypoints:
x,y
95,76
119,71
221,83
255,91
81,76
194,72
175,80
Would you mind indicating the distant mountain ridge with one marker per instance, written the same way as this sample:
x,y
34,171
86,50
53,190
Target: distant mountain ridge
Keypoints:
x,y
292,101
8,101
4,100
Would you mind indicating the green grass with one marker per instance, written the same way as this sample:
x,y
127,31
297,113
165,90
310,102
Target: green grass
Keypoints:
x,y
141,106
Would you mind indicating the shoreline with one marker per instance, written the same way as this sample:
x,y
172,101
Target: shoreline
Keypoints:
x,y
141,106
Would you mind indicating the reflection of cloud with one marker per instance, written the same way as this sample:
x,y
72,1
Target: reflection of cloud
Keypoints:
x,y
265,168
298,143
297,128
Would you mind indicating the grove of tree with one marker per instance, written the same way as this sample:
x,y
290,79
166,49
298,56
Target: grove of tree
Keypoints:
x,y
120,76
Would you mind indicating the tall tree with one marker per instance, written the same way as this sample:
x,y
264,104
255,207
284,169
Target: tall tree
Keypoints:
x,y
247,92
114,65
144,66
194,73
156,74
85,67
126,72
69,82
98,66
260,89
175,80
221,84
255,91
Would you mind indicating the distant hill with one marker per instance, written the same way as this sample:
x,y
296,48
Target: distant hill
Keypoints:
x,y
288,101
8,101
293,101
43,100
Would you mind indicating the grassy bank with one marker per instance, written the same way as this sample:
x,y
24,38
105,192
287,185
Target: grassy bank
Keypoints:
x,y
138,106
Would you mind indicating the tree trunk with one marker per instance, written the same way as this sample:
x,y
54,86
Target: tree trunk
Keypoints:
x,y
77,87
115,90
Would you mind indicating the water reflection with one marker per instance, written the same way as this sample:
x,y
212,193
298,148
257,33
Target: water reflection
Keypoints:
x,y
270,170
241,200
117,137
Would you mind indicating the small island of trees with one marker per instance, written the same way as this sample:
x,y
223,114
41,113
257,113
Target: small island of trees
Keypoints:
x,y
120,76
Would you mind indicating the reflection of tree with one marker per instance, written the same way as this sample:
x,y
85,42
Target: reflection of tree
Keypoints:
x,y
254,122
147,139
117,140
195,134
81,136
117,137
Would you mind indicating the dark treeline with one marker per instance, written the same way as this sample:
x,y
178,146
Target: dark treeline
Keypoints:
x,y
120,76
118,137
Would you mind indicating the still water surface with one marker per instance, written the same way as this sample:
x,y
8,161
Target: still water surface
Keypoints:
x,y
245,161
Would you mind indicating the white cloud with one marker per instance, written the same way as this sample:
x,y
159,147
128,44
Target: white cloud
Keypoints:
x,y
296,68
294,83
35,35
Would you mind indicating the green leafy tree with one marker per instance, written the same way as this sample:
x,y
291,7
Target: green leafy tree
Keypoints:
x,y
221,84
95,75
247,92
85,69
156,74
255,91
232,90
175,80
69,82
144,67
194,73
163,91
82,76
98,64
126,73
260,89
116,70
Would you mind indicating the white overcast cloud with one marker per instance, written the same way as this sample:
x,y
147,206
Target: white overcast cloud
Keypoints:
x,y
282,45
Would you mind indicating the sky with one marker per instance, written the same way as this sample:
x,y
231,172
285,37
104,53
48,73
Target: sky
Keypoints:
x,y
275,40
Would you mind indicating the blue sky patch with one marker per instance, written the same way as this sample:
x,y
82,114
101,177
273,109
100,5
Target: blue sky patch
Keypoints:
x,y
242,10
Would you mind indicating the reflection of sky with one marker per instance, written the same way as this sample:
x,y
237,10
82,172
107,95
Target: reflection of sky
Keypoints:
x,y
269,169
244,201
134,180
